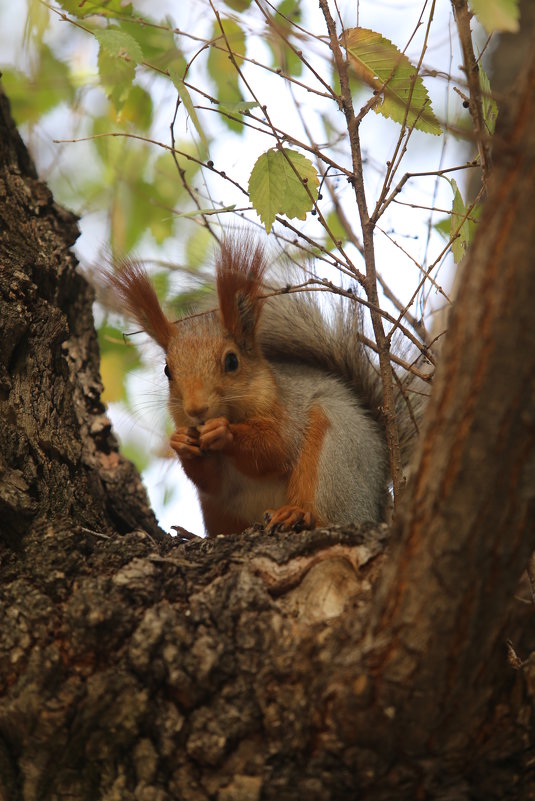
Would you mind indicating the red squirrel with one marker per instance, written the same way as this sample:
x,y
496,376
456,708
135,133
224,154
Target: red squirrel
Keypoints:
x,y
275,408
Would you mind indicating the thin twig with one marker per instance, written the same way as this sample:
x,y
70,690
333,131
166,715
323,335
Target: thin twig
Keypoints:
x,y
462,18
182,174
383,344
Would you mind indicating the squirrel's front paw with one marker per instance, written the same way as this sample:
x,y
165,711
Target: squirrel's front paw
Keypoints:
x,y
185,441
289,517
215,434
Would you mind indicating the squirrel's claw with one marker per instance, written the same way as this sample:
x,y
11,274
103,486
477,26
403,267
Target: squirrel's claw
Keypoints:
x,y
185,442
288,517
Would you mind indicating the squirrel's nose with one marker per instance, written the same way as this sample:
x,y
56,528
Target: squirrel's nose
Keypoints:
x,y
196,412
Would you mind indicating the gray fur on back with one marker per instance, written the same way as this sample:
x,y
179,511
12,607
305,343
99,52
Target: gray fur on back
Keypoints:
x,y
320,362
352,476
294,328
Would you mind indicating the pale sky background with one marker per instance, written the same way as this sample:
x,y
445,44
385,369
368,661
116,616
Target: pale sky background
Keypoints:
x,y
395,20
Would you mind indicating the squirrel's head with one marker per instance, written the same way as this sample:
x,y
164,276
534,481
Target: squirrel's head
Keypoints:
x,y
213,362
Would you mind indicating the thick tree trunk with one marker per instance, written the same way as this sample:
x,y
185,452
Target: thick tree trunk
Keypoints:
x,y
310,665
58,458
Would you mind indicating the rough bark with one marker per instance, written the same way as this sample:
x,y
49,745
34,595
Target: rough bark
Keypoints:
x,y
470,516
58,457
133,666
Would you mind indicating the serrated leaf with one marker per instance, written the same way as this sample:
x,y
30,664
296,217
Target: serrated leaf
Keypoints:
x,y
497,15
119,44
117,58
378,63
274,187
185,96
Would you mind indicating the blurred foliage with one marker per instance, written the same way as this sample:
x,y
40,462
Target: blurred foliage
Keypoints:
x,y
163,111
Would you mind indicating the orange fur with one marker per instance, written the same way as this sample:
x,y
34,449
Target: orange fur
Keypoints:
x,y
204,471
259,447
217,520
303,481
131,283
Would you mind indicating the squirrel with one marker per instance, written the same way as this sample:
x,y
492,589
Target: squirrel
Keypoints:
x,y
277,410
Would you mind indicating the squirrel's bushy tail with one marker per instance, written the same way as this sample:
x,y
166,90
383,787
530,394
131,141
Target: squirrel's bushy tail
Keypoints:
x,y
297,328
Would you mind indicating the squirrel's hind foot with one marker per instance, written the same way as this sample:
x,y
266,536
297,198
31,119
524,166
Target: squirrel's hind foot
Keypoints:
x,y
288,518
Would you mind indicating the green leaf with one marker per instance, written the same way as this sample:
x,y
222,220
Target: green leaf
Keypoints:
x,y
137,110
278,34
497,15
205,212
165,191
378,63
127,195
118,358
131,213
274,187
197,247
221,66
337,230
88,8
119,44
238,108
30,97
489,105
187,101
117,58
156,42
111,149
459,227
238,5
37,20
443,227
463,223
116,76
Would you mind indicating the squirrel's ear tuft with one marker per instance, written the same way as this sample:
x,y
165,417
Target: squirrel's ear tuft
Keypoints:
x,y
240,269
137,297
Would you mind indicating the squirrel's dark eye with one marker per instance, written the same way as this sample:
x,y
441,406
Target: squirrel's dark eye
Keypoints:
x,y
231,362
167,371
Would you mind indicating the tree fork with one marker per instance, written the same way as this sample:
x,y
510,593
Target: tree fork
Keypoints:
x,y
252,667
